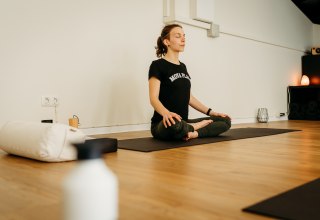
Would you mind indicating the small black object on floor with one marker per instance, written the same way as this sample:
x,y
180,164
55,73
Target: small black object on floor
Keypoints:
x,y
302,202
110,144
150,144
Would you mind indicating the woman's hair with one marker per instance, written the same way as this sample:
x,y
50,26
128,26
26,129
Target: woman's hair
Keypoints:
x,y
161,48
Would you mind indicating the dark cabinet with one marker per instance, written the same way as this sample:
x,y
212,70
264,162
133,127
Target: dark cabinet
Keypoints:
x,y
304,102
311,68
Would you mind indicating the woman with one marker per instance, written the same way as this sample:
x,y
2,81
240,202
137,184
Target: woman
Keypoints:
x,y
170,95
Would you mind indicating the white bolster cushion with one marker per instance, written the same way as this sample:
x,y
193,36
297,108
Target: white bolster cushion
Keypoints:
x,y
41,141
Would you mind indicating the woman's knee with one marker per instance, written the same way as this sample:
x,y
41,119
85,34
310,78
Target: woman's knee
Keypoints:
x,y
226,126
176,126
226,120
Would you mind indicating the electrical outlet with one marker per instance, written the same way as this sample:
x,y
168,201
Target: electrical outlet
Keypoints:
x,y
49,101
55,101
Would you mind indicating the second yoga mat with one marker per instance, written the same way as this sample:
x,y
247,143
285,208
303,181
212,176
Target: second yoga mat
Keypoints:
x,y
300,203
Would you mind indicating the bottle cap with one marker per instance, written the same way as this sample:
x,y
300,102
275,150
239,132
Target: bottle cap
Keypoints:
x,y
94,148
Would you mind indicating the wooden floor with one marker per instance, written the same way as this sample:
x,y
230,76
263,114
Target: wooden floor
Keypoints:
x,y
212,181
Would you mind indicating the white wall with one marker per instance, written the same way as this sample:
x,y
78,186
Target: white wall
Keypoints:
x,y
273,21
316,35
94,55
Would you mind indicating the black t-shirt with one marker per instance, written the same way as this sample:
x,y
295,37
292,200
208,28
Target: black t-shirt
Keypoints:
x,y
174,87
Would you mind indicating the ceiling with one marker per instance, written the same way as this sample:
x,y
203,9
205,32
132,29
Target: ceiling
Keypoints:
x,y
310,8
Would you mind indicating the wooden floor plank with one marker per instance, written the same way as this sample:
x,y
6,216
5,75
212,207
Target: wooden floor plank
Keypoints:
x,y
211,181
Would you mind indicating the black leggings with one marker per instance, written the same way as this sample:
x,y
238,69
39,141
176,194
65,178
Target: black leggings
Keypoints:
x,y
180,129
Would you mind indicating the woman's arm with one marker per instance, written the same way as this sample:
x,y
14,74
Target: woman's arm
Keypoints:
x,y
154,90
197,105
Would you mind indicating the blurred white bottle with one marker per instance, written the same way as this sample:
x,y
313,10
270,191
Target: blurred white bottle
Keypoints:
x,y
91,189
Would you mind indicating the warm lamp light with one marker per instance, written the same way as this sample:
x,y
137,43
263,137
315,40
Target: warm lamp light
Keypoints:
x,y
305,80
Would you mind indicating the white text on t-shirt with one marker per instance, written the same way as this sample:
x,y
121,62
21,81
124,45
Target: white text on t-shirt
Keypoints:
x,y
178,76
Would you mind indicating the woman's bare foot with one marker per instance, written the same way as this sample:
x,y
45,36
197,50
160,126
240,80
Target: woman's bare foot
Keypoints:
x,y
200,124
196,126
191,135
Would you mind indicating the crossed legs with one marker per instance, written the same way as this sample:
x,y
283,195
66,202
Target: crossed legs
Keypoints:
x,y
185,130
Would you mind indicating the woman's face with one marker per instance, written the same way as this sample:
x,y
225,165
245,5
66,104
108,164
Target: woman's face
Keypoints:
x,y
176,41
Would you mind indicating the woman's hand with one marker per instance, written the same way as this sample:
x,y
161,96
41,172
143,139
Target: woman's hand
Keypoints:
x,y
168,119
220,115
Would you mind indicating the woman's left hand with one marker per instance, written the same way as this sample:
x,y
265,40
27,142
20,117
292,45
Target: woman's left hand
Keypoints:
x,y
222,115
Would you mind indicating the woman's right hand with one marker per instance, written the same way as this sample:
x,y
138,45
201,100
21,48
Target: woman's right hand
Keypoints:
x,y
168,119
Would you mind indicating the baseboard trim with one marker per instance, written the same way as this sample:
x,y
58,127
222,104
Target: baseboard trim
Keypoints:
x,y
254,120
115,129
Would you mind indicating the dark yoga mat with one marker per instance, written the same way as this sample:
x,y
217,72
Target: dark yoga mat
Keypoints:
x,y
302,202
150,144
